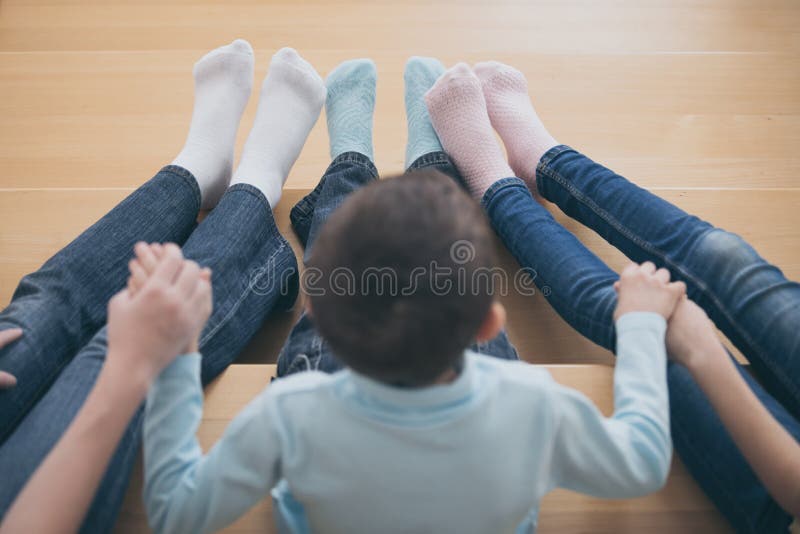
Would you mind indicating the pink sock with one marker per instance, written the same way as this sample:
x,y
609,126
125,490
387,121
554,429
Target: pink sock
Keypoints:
x,y
511,112
458,113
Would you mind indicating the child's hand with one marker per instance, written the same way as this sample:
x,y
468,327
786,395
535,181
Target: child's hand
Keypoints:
x,y
147,256
691,336
149,328
642,288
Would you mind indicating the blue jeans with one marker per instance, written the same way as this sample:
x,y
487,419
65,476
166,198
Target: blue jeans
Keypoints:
x,y
305,349
62,311
746,297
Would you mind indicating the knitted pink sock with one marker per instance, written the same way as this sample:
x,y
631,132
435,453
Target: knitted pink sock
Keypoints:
x,y
458,113
513,116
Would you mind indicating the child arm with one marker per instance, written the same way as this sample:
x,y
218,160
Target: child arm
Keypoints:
x,y
628,454
186,491
769,449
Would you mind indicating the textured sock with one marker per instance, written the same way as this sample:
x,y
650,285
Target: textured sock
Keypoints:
x,y
420,75
458,113
223,79
511,112
291,98
349,107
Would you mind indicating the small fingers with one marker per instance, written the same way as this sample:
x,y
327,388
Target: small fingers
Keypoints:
x,y
188,278
9,335
170,264
630,269
662,275
138,276
146,257
201,298
679,288
7,380
648,267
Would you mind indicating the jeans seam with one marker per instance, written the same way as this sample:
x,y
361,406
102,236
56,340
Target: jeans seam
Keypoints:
x,y
488,198
431,159
356,158
546,170
273,233
188,177
245,293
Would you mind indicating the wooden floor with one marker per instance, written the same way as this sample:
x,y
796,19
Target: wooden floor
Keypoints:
x,y
697,100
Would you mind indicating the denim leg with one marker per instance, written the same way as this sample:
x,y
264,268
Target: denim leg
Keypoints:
x,y
747,298
63,304
254,271
499,347
347,173
710,454
577,283
305,349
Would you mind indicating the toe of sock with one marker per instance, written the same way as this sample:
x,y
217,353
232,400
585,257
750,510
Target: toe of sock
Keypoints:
x,y
352,71
423,66
456,79
241,46
499,75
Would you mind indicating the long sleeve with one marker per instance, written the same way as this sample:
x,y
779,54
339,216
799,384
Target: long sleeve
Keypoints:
x,y
186,491
628,454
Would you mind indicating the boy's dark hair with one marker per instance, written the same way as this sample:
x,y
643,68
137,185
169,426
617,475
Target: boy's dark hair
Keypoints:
x,y
393,278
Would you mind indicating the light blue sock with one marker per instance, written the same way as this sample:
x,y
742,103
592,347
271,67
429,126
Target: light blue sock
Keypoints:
x,y
420,75
350,106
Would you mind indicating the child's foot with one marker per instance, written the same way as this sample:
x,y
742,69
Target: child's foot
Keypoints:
x,y
459,116
223,79
420,75
513,116
350,106
291,99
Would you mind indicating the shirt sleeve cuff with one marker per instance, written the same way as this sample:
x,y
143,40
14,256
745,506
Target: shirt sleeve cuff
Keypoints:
x,y
183,365
633,321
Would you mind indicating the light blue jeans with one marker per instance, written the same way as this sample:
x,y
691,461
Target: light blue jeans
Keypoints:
x,y
62,311
747,298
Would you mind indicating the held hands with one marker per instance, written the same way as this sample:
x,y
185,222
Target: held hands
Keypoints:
x,y
642,288
161,313
691,337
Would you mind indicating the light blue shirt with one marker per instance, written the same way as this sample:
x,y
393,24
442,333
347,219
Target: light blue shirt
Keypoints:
x,y
347,454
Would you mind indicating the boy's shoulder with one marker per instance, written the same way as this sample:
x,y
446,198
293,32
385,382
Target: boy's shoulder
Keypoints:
x,y
511,372
306,382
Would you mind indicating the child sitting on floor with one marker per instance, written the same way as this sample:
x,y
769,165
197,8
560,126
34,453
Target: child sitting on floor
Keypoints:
x,y
418,434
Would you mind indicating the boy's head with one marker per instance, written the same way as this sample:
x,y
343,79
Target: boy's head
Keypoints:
x,y
394,278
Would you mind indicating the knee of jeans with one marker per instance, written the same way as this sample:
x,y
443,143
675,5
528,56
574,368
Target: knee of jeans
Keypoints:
x,y
727,258
724,249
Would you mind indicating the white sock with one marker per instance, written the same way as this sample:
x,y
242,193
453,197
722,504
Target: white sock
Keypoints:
x,y
291,99
223,79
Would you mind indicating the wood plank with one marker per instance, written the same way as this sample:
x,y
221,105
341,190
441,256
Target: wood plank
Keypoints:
x,y
36,224
545,26
106,119
678,507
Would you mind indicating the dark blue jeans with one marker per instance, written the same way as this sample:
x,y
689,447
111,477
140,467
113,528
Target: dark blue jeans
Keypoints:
x,y
746,297
62,311
305,349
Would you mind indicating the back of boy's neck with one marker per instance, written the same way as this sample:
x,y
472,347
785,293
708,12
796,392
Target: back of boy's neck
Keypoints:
x,y
447,377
